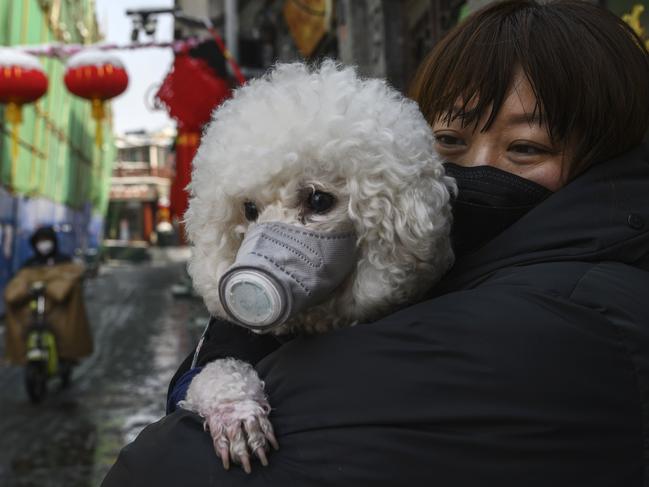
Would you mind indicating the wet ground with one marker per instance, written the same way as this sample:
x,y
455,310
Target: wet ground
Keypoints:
x,y
142,333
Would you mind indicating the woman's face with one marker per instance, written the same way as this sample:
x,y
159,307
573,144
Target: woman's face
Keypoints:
x,y
515,141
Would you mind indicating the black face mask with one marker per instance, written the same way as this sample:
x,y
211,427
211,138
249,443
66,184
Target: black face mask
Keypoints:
x,y
489,200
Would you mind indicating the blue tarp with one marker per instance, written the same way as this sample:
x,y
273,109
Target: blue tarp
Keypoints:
x,y
20,216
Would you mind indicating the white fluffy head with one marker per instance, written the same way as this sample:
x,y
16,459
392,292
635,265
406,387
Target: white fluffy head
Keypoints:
x,y
297,130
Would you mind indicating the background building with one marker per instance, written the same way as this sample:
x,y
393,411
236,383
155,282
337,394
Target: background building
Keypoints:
x,y
140,187
60,177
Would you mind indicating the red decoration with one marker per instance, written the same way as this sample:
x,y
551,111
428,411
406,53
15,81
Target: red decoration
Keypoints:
x,y
96,76
20,85
21,81
191,91
186,145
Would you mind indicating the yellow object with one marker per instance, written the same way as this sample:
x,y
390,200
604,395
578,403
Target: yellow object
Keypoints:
x,y
308,21
633,20
15,117
188,138
48,342
98,114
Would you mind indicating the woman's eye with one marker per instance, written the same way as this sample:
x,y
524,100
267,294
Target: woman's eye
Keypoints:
x,y
527,150
250,210
449,140
320,202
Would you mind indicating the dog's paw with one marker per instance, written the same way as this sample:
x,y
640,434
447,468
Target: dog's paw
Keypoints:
x,y
230,397
239,430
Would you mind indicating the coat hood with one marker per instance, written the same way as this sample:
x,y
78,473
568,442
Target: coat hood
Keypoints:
x,y
602,215
44,233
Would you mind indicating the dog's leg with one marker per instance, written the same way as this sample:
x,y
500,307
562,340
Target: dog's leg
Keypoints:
x,y
229,395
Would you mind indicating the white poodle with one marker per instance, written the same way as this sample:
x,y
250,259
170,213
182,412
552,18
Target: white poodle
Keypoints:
x,y
324,187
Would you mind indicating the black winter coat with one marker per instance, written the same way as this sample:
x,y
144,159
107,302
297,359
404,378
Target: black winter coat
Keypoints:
x,y
530,367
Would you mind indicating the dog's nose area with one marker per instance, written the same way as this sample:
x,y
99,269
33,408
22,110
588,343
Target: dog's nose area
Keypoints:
x,y
250,211
281,269
278,212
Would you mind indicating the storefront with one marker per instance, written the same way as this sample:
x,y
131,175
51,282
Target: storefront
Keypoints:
x,y
140,186
132,211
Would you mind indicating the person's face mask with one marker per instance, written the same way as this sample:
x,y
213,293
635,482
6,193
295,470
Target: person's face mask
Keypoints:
x,y
489,200
282,269
44,247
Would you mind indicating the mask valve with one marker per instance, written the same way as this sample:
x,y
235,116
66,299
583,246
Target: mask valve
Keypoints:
x,y
252,298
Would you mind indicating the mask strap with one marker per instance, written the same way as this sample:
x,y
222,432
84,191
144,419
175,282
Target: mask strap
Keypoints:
x,y
200,343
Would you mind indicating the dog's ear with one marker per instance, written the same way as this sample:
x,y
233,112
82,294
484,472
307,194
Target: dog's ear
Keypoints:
x,y
403,231
211,223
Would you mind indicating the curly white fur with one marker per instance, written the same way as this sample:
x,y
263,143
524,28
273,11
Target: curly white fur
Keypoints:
x,y
326,128
236,381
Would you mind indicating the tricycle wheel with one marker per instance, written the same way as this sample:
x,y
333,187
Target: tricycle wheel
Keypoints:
x,y
65,373
36,381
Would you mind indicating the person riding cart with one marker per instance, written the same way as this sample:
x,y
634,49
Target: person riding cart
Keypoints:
x,y
46,315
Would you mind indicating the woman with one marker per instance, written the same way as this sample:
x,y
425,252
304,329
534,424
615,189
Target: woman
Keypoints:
x,y
530,365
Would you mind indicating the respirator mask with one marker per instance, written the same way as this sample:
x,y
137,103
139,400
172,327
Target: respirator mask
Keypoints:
x,y
282,269
44,247
489,200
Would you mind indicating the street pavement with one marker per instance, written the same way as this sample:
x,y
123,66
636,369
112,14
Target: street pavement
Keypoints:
x,y
141,334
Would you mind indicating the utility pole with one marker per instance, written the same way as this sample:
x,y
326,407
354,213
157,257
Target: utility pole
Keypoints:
x,y
232,28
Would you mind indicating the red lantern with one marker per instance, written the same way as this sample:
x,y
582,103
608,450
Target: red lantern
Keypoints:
x,y
96,76
22,80
191,92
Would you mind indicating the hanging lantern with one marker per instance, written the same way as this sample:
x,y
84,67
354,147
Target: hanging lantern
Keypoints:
x,y
22,80
96,76
191,91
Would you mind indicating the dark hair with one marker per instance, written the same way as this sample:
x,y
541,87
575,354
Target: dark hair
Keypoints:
x,y
589,72
43,233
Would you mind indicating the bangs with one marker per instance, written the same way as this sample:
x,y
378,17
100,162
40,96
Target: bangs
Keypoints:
x,y
473,72
582,62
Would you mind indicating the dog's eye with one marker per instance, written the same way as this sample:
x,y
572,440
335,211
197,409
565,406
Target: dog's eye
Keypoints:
x,y
250,210
320,202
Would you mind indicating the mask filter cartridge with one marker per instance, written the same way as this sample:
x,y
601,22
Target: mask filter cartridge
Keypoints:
x,y
281,269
